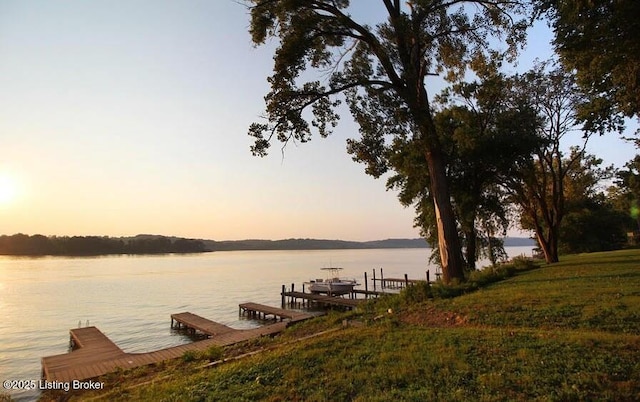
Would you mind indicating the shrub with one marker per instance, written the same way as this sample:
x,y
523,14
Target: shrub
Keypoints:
x,y
416,293
522,263
441,290
189,356
213,353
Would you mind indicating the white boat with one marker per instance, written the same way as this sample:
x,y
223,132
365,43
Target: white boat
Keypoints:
x,y
333,285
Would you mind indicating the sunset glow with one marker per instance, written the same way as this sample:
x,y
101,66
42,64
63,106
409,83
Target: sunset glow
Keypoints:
x,y
8,190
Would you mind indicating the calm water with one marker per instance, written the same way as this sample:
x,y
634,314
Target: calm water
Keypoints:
x,y
131,298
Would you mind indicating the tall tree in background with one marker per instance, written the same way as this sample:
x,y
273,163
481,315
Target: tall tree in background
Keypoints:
x,y
628,194
600,41
591,223
382,71
538,187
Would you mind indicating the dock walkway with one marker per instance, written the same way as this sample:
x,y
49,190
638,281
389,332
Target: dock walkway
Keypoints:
x,y
396,283
95,354
262,311
194,323
90,347
323,299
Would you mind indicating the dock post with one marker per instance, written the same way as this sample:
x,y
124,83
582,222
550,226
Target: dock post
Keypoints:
x,y
293,300
381,278
283,297
366,286
428,280
374,279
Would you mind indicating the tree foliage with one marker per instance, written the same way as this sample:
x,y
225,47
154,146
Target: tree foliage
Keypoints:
x,y
591,225
600,41
627,194
482,143
591,222
382,72
22,244
488,133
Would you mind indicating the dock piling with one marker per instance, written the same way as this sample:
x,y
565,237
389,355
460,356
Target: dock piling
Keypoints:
x,y
366,284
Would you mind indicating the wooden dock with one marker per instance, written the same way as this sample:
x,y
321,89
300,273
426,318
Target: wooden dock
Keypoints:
x,y
89,347
323,299
368,293
397,283
195,323
94,354
262,311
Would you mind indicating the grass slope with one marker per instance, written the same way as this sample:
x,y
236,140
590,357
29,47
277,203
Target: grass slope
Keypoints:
x,y
567,331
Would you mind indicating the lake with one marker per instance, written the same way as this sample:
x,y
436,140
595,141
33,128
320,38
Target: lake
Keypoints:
x,y
130,298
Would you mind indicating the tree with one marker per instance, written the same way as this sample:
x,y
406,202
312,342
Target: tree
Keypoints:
x,y
488,133
594,225
590,223
480,144
600,41
382,73
538,186
628,192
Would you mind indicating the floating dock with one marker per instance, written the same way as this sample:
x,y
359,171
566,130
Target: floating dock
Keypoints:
x,y
94,354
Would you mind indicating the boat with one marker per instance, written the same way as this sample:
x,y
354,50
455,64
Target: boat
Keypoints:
x,y
333,285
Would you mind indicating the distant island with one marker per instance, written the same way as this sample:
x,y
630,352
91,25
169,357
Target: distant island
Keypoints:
x,y
39,245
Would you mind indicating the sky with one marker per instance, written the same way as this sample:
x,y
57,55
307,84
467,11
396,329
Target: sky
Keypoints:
x,y
127,117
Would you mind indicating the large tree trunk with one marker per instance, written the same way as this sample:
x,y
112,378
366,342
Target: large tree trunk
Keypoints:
x,y
548,244
448,239
552,243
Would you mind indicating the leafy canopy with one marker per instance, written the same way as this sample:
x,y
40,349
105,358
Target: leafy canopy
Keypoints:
x,y
382,72
600,41
381,69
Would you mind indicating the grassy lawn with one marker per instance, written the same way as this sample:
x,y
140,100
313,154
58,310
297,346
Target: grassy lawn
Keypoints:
x,y
589,292
567,331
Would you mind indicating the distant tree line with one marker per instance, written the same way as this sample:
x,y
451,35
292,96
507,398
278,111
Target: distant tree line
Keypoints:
x,y
319,244
312,244
22,244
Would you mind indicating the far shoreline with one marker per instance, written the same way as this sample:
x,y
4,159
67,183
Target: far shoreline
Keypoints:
x,y
94,246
